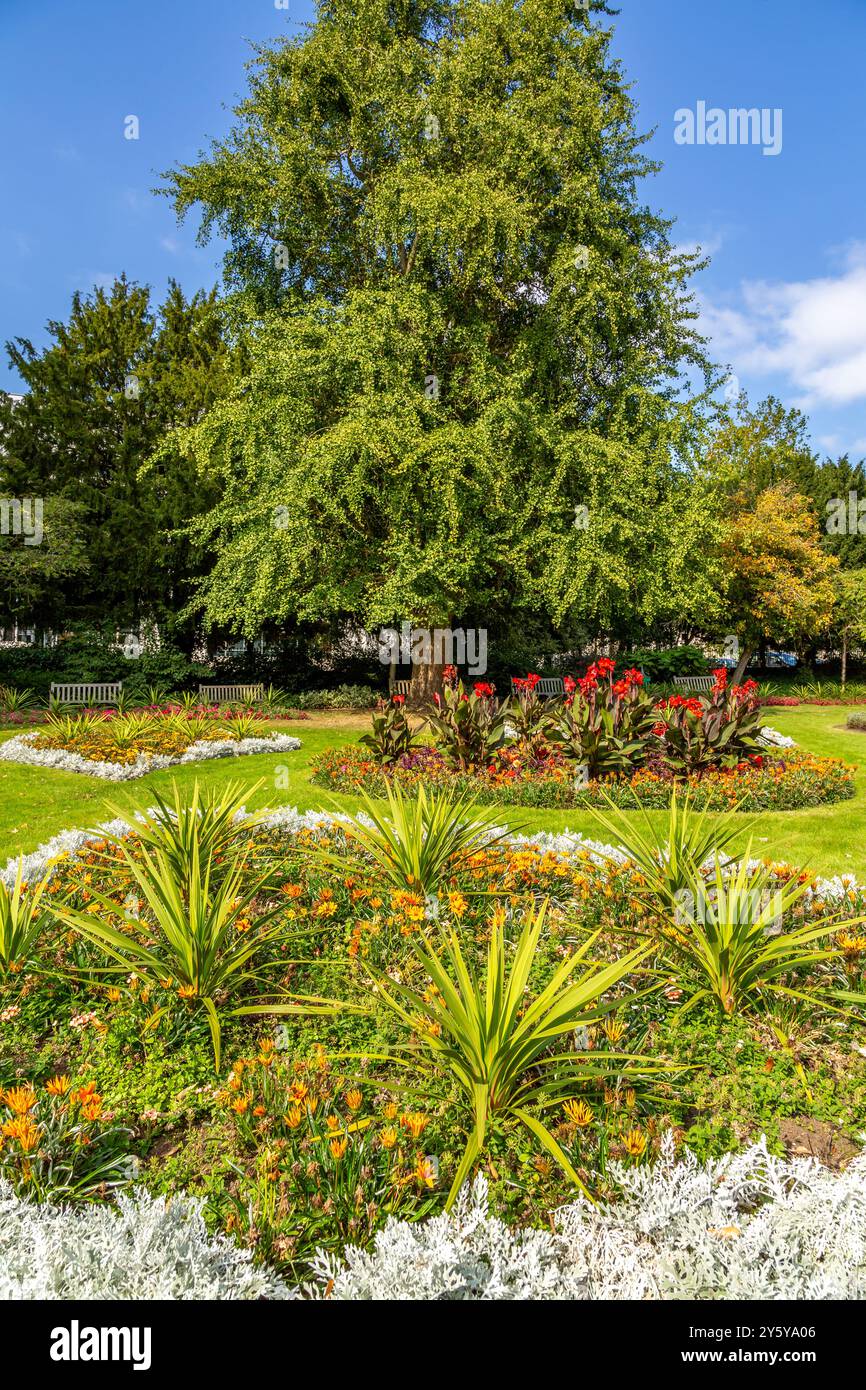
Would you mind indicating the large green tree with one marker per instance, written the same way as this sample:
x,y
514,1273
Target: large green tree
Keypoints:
x,y
468,334
101,396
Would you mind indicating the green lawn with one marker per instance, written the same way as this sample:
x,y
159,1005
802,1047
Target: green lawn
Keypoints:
x,y
36,803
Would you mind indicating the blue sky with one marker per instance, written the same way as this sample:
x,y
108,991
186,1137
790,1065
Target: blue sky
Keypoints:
x,y
784,299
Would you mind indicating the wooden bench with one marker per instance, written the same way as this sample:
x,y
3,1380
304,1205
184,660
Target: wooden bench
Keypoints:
x,y
95,693
230,694
400,688
693,685
549,687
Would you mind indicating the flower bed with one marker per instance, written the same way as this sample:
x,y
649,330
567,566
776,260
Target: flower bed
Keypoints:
x,y
313,1138
797,781
127,764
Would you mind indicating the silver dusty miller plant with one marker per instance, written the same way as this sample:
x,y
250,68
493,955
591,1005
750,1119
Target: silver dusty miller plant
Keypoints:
x,y
748,1226
144,1248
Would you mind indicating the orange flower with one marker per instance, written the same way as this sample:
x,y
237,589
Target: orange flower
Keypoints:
x,y
354,1099
58,1085
338,1148
24,1131
415,1123
388,1137
425,1173
20,1099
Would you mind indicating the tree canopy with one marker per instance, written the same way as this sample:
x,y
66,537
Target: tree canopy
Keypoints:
x,y
467,332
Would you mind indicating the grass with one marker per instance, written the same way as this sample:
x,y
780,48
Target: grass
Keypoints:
x,y
36,803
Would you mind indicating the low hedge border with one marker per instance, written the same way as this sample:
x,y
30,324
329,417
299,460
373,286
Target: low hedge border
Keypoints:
x,y
797,782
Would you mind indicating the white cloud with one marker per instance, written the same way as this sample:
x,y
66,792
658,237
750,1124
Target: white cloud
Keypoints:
x,y
811,333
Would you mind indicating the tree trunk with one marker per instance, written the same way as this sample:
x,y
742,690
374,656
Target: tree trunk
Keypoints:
x,y
745,658
844,657
427,681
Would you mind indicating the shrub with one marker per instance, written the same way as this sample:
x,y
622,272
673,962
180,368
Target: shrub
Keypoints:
x,y
604,725
747,1227
391,735
698,733
198,941
423,840
145,1248
468,729
664,666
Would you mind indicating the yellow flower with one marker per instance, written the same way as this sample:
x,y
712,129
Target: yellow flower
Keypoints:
x,y
579,1113
635,1143
58,1085
185,992
20,1099
333,1122
293,1116
390,1110
388,1137
338,1148
114,994
241,1105
613,1030
457,903
629,1098
354,1099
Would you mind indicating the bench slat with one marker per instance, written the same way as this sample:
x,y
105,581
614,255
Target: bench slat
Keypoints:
x,y
225,694
87,693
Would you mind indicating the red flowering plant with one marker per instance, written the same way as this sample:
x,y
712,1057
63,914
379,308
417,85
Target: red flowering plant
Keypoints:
x,y
716,731
467,727
391,735
528,716
605,724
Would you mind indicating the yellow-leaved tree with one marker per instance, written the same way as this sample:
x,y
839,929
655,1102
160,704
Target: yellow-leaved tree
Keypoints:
x,y
779,582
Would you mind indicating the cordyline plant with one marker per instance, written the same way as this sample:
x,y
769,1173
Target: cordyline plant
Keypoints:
x,y
23,919
391,735
723,920
666,857
196,938
719,731
468,728
604,724
188,830
502,1046
729,927
424,840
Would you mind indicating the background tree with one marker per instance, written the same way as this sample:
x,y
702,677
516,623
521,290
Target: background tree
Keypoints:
x,y
849,612
464,326
101,396
780,583
31,574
